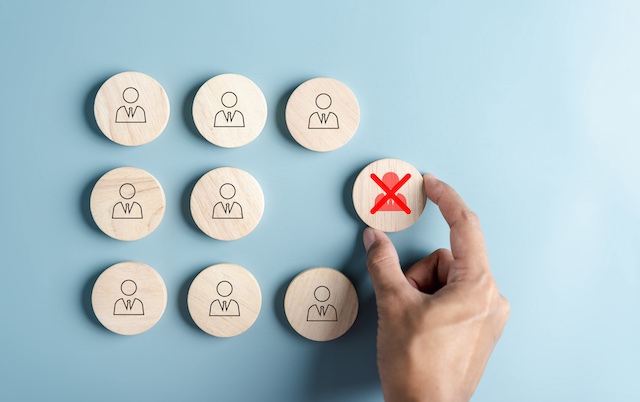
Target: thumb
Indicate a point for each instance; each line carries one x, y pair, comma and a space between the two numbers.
383, 263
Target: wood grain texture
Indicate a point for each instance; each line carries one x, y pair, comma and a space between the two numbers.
322, 114
227, 203
131, 108
224, 300
389, 217
321, 304
229, 110
129, 298
127, 203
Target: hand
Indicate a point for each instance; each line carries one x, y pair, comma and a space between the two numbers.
439, 322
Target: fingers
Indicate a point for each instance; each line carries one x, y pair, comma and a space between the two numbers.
430, 274
467, 241
383, 263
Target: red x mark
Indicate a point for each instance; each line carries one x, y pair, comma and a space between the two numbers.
390, 193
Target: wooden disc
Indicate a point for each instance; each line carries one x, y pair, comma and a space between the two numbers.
127, 203
322, 114
224, 300
389, 195
321, 304
129, 298
227, 203
229, 110
131, 108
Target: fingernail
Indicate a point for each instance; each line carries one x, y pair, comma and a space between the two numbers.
368, 237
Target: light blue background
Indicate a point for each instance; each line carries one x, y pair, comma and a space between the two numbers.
529, 109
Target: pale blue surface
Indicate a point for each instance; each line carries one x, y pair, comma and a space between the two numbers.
531, 110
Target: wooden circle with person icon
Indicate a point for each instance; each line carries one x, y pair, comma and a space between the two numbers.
127, 203
227, 203
321, 304
129, 298
229, 110
322, 114
224, 300
131, 108
389, 195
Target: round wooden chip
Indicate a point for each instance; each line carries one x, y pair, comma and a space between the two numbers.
389, 195
322, 114
127, 203
229, 110
131, 108
227, 203
129, 298
224, 300
321, 304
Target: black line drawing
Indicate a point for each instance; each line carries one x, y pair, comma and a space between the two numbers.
224, 307
323, 120
128, 307
322, 312
227, 209
229, 118
127, 210
129, 113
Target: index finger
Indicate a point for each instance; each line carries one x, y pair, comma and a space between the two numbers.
467, 241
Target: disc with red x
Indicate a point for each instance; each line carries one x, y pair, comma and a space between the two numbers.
389, 195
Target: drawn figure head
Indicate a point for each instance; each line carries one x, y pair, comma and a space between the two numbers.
229, 99
224, 288
128, 287
130, 95
322, 294
323, 101
227, 191
127, 191
390, 179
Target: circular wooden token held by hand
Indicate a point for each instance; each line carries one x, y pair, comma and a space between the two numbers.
227, 203
229, 110
127, 203
321, 304
129, 298
224, 300
389, 195
131, 108
322, 114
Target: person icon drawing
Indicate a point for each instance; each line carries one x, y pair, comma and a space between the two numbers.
229, 118
322, 312
129, 306
127, 210
224, 307
323, 120
227, 209
390, 180
129, 113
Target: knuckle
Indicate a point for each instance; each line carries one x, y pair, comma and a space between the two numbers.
389, 303
484, 301
442, 252
396, 306
487, 285
379, 259
486, 294
469, 216
385, 291
505, 308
